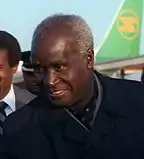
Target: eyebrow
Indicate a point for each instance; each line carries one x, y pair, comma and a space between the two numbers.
58, 61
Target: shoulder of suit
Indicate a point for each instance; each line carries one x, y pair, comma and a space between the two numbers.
26, 115
120, 83
23, 116
116, 89
128, 85
23, 91
23, 95
122, 97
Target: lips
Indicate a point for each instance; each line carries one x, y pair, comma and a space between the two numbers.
57, 92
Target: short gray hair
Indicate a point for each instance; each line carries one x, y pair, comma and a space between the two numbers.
78, 24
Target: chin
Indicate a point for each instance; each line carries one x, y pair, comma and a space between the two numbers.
60, 103
60, 100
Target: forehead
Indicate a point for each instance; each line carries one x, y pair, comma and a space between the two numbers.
54, 47
3, 56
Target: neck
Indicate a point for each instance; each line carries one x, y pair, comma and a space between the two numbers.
87, 97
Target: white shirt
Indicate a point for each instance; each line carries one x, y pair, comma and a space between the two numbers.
10, 100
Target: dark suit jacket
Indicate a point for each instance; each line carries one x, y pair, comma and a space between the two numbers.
38, 131
22, 97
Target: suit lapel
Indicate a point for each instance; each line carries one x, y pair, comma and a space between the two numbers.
19, 100
102, 127
75, 130
22, 97
111, 110
59, 126
50, 119
59, 120
58, 129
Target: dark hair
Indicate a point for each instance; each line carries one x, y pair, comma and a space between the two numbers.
11, 44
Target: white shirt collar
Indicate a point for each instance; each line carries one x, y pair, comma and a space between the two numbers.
10, 98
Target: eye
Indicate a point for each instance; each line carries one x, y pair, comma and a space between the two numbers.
39, 70
59, 67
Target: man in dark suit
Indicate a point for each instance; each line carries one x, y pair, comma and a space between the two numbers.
33, 80
11, 97
85, 115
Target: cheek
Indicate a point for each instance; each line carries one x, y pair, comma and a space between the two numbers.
80, 80
75, 79
5, 79
3, 76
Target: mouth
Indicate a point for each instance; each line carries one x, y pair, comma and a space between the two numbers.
57, 93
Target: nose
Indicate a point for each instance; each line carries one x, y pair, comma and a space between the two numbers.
51, 79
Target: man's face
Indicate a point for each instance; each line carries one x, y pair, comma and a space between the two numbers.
66, 71
6, 73
33, 80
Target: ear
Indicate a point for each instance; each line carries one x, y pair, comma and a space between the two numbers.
90, 59
14, 69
